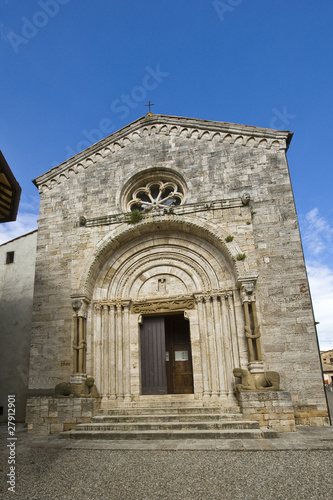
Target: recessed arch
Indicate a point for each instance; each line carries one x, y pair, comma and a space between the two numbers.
98, 265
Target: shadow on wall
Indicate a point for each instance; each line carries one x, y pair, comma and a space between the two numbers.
15, 334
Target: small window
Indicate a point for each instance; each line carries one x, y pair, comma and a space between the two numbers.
10, 258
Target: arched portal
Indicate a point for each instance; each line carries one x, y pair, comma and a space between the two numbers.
162, 273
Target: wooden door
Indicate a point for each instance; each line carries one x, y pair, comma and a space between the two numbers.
153, 369
178, 355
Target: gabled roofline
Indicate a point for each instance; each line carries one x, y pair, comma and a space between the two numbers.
18, 237
151, 119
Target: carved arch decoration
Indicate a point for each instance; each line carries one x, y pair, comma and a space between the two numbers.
124, 235
201, 269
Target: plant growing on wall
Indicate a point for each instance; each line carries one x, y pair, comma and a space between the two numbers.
135, 217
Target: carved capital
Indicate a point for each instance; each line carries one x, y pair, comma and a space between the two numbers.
80, 306
247, 291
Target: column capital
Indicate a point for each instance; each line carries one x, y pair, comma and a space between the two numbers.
247, 290
80, 305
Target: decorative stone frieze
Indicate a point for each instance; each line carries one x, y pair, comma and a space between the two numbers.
189, 208
159, 306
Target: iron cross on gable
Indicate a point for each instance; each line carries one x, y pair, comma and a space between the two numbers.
150, 104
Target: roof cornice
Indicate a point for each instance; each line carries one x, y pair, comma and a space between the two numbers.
231, 133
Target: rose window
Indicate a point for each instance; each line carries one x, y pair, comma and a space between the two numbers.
156, 195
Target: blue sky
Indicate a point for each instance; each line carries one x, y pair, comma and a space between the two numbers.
74, 71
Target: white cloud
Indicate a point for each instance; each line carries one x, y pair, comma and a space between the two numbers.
25, 222
317, 234
317, 237
321, 286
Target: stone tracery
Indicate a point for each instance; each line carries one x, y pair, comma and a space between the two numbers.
156, 194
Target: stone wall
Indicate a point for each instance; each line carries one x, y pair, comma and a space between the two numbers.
47, 415
271, 409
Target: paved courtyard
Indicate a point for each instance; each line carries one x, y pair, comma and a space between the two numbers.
293, 466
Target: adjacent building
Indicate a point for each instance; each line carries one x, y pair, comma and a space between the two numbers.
17, 273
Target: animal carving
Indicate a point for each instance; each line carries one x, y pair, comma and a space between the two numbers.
86, 389
266, 381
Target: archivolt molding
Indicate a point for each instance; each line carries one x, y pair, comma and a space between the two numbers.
125, 233
216, 132
197, 270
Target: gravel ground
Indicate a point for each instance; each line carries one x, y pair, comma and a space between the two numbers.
58, 473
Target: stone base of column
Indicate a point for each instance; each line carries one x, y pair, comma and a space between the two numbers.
78, 378
256, 367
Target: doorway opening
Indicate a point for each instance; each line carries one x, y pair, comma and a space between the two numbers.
166, 358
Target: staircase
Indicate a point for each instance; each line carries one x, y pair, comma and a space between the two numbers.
167, 423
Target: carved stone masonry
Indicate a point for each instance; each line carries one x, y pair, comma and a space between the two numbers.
158, 306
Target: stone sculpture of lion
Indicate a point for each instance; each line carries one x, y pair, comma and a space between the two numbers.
266, 381
86, 389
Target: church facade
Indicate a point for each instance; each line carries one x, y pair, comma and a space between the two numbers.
168, 258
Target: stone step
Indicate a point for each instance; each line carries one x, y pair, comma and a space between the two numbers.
167, 426
134, 418
166, 434
168, 411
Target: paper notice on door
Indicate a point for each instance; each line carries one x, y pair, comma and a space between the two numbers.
181, 355
167, 356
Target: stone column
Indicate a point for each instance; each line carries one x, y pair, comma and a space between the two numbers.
105, 362
127, 353
231, 308
97, 345
203, 345
119, 351
112, 350
79, 342
226, 355
252, 328
219, 340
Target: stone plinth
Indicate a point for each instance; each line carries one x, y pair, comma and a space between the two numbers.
53, 415
270, 408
